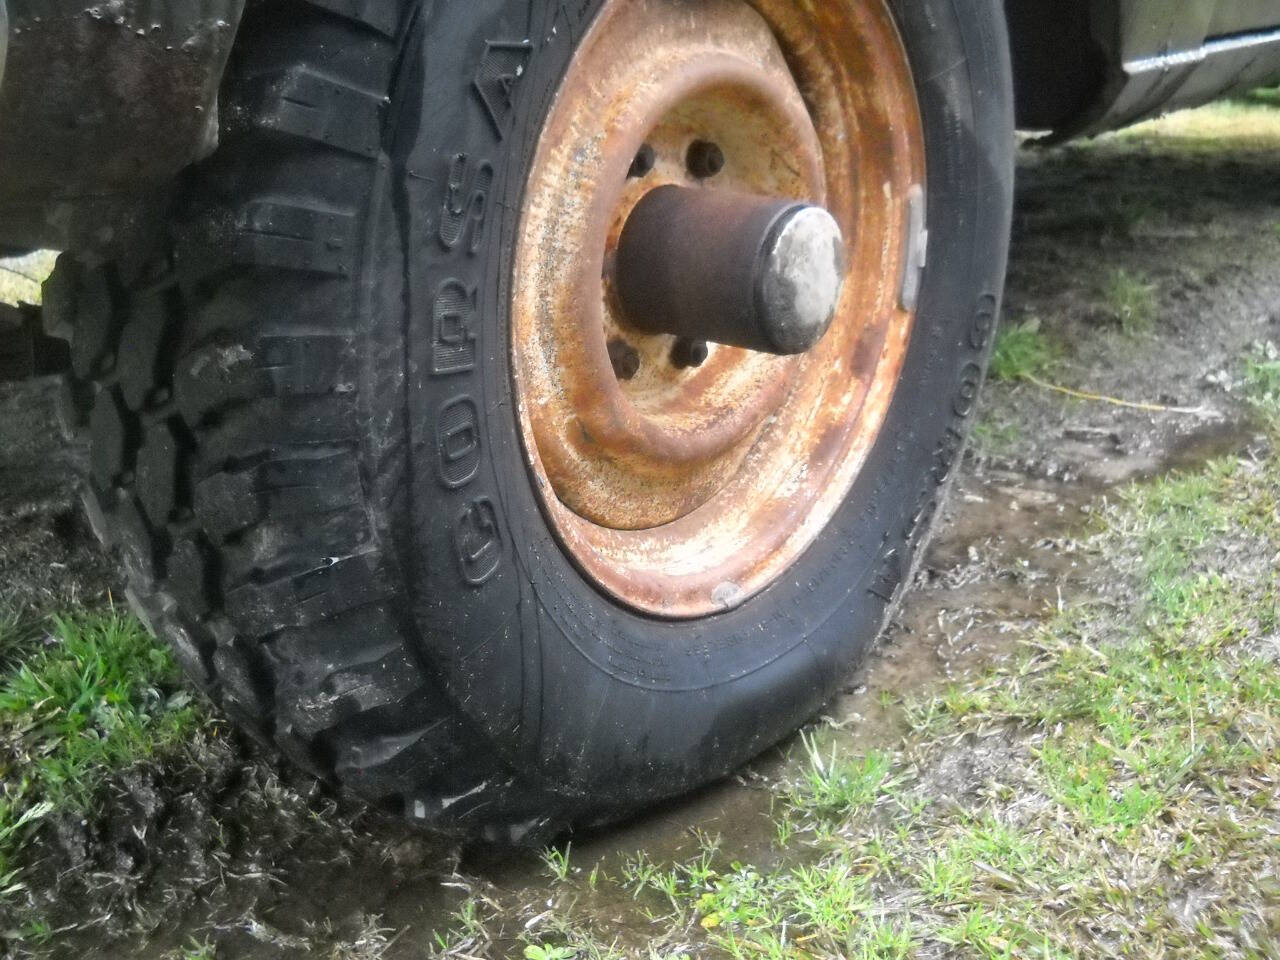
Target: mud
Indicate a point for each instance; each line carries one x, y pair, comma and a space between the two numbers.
229, 847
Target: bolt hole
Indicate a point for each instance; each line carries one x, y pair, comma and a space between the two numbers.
688, 353
643, 163
704, 159
625, 359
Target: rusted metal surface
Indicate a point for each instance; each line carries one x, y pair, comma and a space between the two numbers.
684, 490
762, 273
102, 100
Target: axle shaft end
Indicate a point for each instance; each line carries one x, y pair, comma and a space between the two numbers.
755, 272
800, 279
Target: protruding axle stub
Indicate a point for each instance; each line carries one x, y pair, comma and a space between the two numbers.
731, 268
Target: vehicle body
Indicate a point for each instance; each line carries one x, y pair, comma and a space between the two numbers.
473, 389
103, 105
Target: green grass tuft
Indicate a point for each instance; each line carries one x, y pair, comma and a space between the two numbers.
834, 787
1262, 382
99, 695
1131, 301
1021, 351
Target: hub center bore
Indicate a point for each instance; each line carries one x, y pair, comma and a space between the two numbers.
754, 272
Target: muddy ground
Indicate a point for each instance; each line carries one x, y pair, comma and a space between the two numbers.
227, 848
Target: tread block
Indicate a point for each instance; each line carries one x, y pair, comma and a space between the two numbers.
141, 351
309, 366
214, 376
270, 429
382, 15
58, 297
190, 576
400, 764
245, 684
302, 102
296, 236
158, 476
111, 456
75, 402
97, 519
229, 371
134, 539
306, 598
192, 653
302, 542
93, 318
280, 488
319, 699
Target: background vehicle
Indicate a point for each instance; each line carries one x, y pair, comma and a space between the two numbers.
470, 403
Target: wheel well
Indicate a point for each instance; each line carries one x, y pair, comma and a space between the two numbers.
1059, 66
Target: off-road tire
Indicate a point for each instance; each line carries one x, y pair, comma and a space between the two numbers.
263, 425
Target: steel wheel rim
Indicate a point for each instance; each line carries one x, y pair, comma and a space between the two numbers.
690, 492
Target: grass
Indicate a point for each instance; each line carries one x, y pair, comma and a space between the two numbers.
542, 951
1262, 380
1264, 96
98, 695
556, 862
1140, 750
1127, 801
995, 438
1250, 123
195, 950
1021, 351
1131, 301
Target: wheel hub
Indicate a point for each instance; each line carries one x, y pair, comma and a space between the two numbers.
706, 327
761, 273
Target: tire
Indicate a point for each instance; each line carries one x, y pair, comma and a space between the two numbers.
264, 431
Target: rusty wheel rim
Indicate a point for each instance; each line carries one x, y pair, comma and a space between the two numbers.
683, 491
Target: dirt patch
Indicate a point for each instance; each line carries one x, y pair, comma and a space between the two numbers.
228, 847
49, 559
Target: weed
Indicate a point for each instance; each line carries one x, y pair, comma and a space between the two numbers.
469, 930
1131, 301
835, 787
548, 952
995, 439
1021, 351
556, 862
197, 950
1262, 381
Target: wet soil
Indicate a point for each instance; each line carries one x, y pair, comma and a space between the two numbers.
230, 847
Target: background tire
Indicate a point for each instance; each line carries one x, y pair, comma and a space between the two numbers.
264, 429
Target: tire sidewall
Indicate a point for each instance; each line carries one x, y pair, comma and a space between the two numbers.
574, 691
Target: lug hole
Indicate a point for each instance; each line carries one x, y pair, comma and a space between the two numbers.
625, 359
705, 159
686, 354
643, 163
